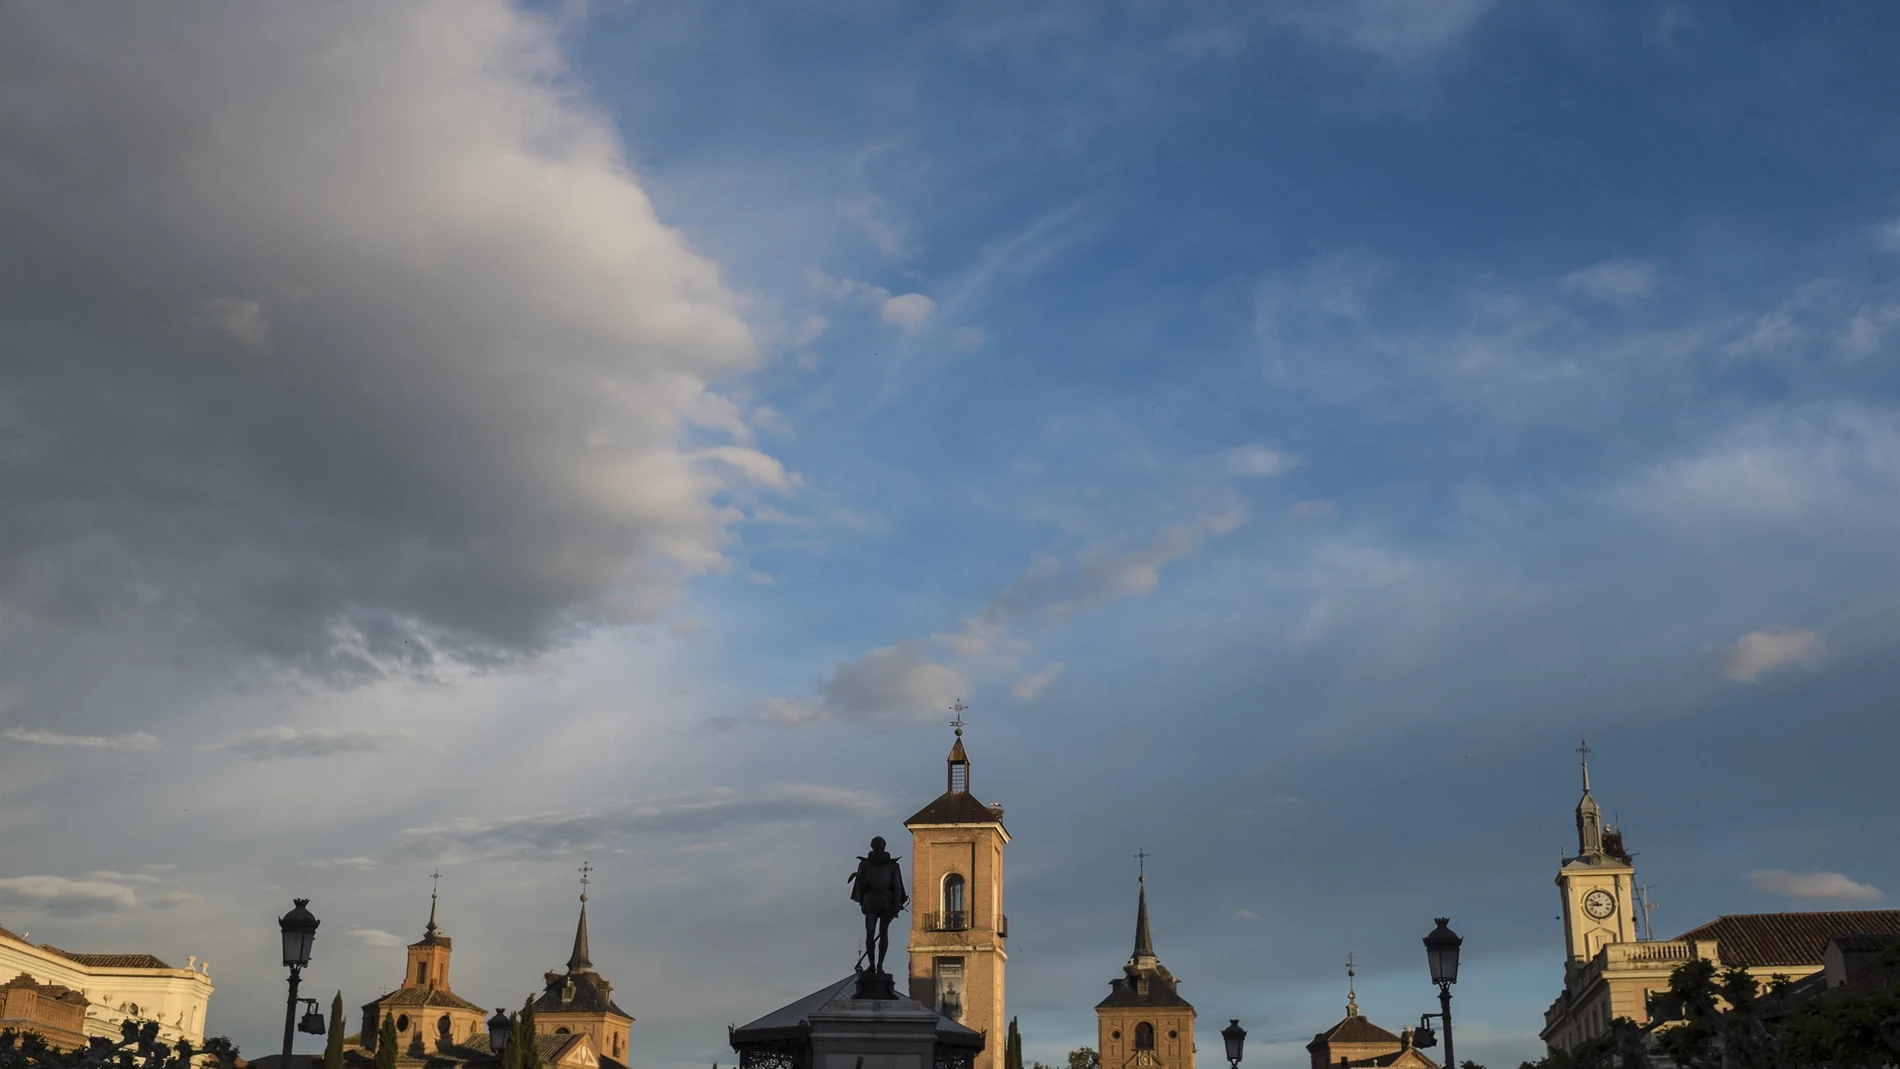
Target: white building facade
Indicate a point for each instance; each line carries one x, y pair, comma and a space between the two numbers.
120, 987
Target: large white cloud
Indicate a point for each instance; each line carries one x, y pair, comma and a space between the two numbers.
345, 335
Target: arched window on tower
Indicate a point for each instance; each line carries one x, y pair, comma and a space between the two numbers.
954, 908
1144, 1036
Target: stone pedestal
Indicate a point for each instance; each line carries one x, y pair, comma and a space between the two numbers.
835, 1028
874, 1033
875, 985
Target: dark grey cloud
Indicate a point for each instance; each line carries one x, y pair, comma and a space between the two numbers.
282, 742
558, 832
344, 338
897, 684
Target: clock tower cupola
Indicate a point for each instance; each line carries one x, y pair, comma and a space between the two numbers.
1596, 884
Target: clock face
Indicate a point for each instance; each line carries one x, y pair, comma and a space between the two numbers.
1599, 904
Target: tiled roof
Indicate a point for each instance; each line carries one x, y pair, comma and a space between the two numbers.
1761, 939
592, 994
1409, 1057
426, 996
1863, 942
1124, 992
954, 807
109, 961
1354, 1029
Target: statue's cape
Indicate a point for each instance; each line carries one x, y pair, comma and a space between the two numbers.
878, 875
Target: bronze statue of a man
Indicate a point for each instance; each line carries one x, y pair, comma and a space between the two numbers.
878, 889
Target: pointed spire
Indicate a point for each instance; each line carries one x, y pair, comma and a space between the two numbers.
1144, 956
579, 960
1352, 993
431, 931
1589, 814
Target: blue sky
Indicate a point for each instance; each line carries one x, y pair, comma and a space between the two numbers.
619, 430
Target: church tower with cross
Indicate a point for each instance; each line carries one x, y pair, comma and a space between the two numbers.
1144, 1023
958, 933
1595, 886
429, 1018
580, 1000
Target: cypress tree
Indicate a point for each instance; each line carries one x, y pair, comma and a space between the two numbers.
530, 1050
333, 1046
510, 1052
1013, 1048
386, 1042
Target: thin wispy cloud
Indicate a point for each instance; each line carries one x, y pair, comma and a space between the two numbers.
908, 311
1030, 687
376, 937
554, 833
1614, 280
279, 743
137, 740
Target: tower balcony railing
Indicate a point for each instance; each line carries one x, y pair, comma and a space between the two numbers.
1673, 952
961, 920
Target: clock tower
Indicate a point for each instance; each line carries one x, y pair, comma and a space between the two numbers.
1599, 906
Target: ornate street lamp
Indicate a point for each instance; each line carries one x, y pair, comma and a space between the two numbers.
498, 1028
299, 928
1441, 952
1235, 1037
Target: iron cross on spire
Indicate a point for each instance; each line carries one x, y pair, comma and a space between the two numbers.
1141, 859
1583, 748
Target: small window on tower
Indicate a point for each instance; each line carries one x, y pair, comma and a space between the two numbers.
1144, 1036
953, 898
959, 777
422, 972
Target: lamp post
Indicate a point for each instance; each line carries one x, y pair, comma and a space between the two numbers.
299, 928
498, 1028
1235, 1037
1441, 952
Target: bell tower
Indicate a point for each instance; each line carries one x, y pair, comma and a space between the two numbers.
958, 932
1595, 885
429, 956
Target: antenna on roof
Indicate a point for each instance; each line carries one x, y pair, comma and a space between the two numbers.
1644, 903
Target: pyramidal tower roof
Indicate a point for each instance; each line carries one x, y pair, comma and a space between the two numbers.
956, 805
1144, 955
579, 960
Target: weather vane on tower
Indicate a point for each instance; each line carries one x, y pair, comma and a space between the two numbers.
958, 707
586, 870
